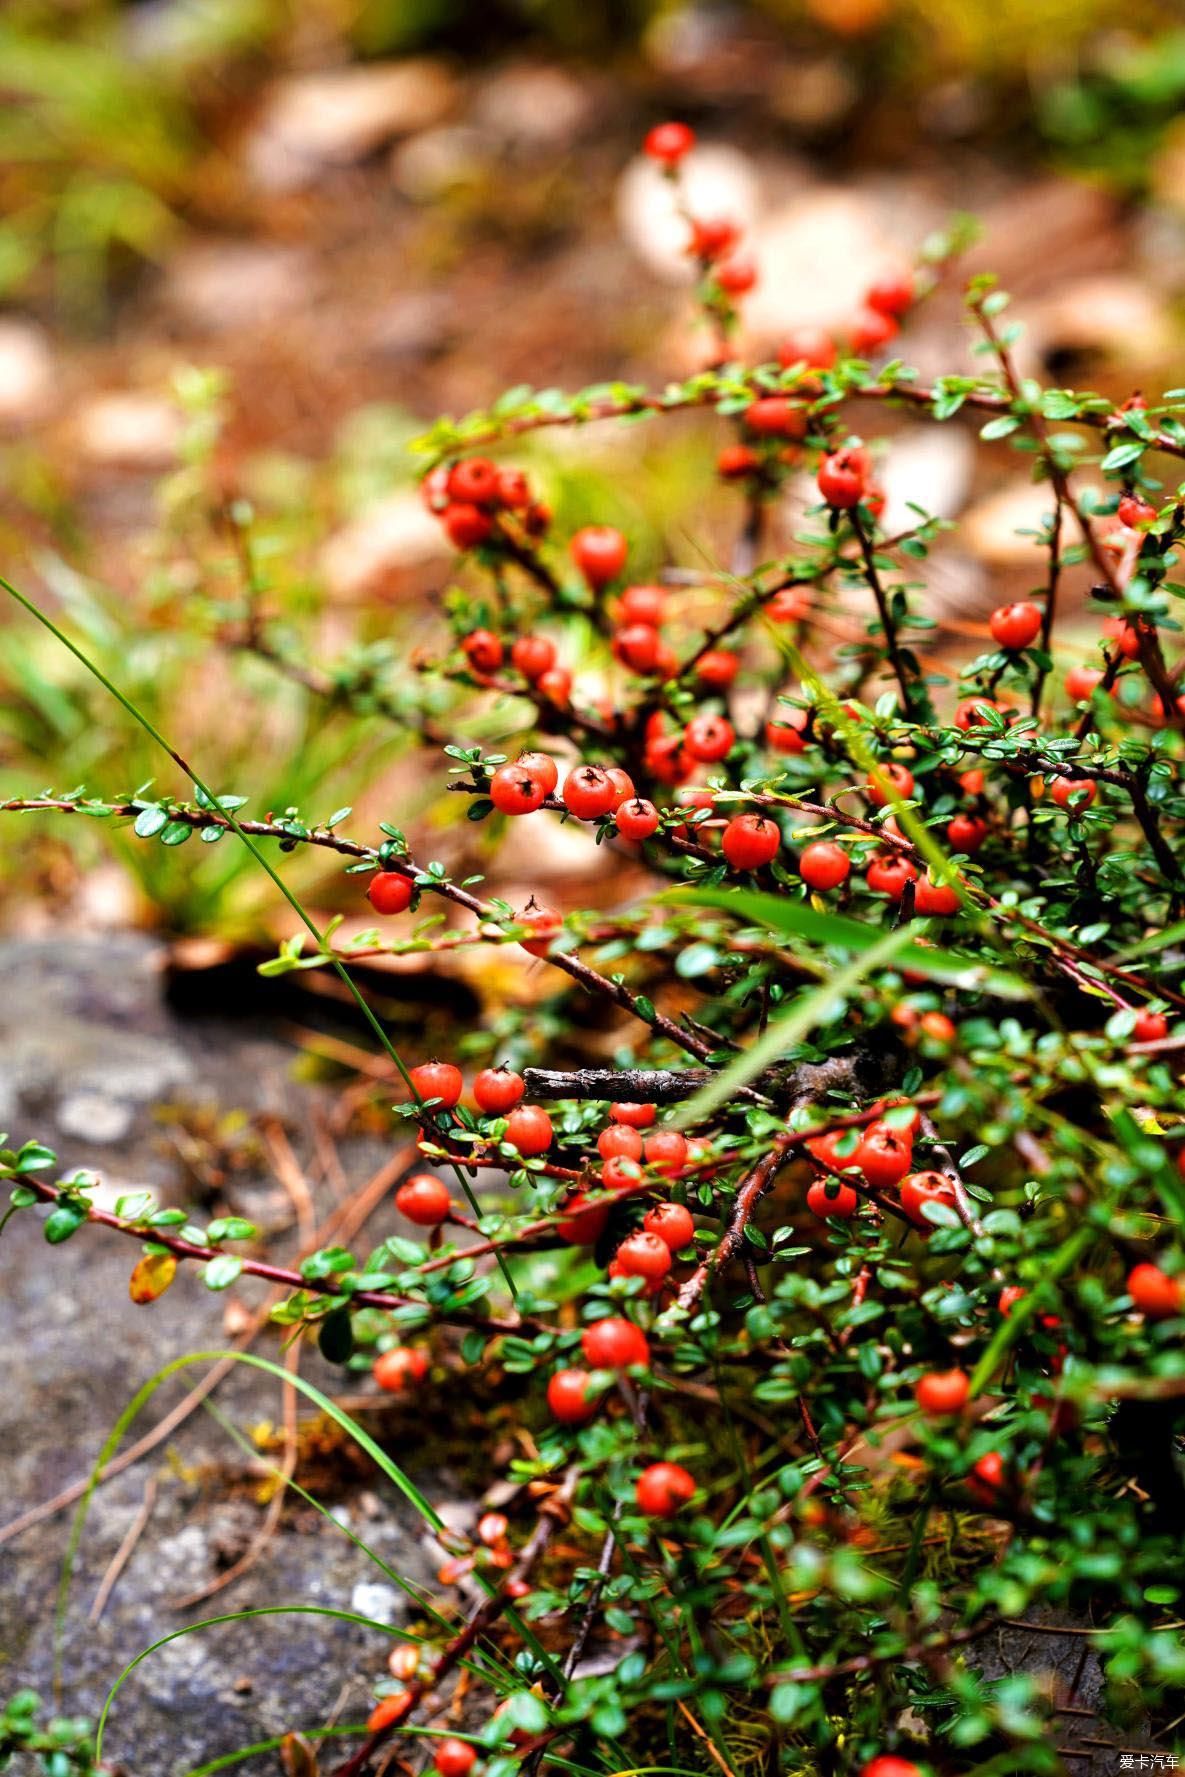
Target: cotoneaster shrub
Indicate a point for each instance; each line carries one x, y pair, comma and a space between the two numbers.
862, 1336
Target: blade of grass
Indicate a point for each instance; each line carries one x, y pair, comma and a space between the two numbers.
293, 900
791, 1028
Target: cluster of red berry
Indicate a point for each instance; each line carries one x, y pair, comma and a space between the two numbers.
473, 496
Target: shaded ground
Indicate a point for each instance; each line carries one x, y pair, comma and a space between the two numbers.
86, 1036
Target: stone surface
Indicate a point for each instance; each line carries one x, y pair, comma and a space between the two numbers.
335, 118
26, 372
377, 551
85, 1017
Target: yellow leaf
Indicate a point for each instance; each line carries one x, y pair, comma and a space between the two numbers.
152, 1277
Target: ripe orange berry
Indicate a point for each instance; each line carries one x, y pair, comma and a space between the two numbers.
662, 1488
1015, 626
749, 841
943, 1391
568, 1397
390, 1710
424, 1200
614, 1344
1157, 1295
390, 892
529, 1130
824, 865
400, 1368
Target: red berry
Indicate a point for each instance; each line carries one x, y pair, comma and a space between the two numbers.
1074, 793
584, 1222
891, 294
888, 874
1009, 1296
638, 646
1154, 1293
899, 776
1080, 681
637, 819
967, 832
454, 1758
438, 1079
1015, 626
497, 1090
555, 685
672, 1223
937, 1026
843, 478
824, 865
567, 1396
599, 551
973, 781
389, 1711
709, 738
424, 1200
749, 841
635, 1116
620, 1142
785, 733
466, 526
921, 1188
483, 650
884, 1155
529, 1130
621, 1173
589, 793
775, 416
737, 276
492, 1528
1135, 512
533, 656
736, 461
474, 481
807, 345
972, 712
389, 892
669, 142
642, 604
663, 1488
399, 1368
934, 899
943, 1391
713, 238
789, 605
434, 489
546, 921
1150, 1027
830, 1197
542, 766
717, 668
644, 1255
872, 329
516, 791
1127, 635
666, 1151
886, 1764
614, 1344
514, 490
987, 1477
623, 785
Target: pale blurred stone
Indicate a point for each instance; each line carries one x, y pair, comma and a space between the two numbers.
429, 165
532, 105
816, 257
931, 466
223, 284
1119, 315
989, 530
395, 537
126, 429
26, 372
336, 118
717, 182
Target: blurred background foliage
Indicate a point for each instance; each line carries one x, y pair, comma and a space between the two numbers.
114, 113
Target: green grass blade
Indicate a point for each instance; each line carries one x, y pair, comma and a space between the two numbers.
341, 1732
234, 1616
798, 919
791, 1028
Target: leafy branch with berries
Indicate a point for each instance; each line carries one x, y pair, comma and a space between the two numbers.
826, 1221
